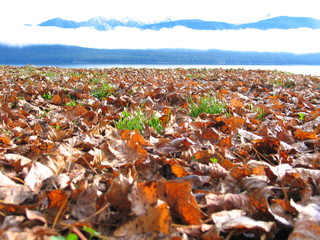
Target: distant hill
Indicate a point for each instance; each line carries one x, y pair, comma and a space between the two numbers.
103, 24
56, 55
61, 23
190, 23
284, 23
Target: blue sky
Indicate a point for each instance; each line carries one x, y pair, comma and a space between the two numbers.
16, 13
35, 11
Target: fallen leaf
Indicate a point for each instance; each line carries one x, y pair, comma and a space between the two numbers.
58, 203
37, 174
303, 135
5, 140
142, 196
157, 219
246, 224
267, 145
86, 204
15, 193
229, 201
117, 193
178, 195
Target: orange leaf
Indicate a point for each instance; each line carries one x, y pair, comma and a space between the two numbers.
259, 199
225, 142
225, 163
203, 156
126, 134
267, 145
239, 172
156, 220
284, 157
139, 150
180, 199
164, 119
259, 170
143, 193
138, 138
57, 204
199, 125
236, 103
178, 170
167, 111
79, 110
5, 140
302, 135
56, 99
135, 136
209, 134
56, 199
235, 122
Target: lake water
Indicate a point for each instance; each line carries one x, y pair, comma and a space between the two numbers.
297, 69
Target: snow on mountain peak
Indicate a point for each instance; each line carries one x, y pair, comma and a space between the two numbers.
103, 23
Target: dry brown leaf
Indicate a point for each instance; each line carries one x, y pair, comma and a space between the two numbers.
157, 219
6, 181
85, 208
307, 226
15, 193
267, 145
118, 192
229, 201
245, 224
305, 230
213, 169
222, 217
37, 174
36, 215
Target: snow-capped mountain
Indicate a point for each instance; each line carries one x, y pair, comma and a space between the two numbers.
99, 23
103, 24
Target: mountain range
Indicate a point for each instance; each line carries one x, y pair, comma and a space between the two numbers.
104, 24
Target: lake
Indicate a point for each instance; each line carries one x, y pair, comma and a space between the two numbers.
297, 69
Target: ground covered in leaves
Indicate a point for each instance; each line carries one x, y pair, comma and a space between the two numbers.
127, 153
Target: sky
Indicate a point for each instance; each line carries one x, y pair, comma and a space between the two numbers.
14, 14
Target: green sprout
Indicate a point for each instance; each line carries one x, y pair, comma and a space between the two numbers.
93, 233
71, 103
206, 104
102, 91
301, 116
258, 110
50, 74
56, 126
214, 160
260, 114
72, 236
47, 96
137, 121
155, 123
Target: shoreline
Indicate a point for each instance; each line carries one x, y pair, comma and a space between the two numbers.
313, 70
